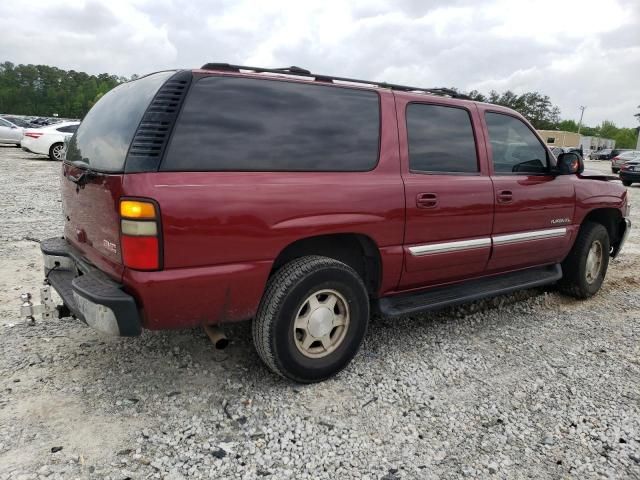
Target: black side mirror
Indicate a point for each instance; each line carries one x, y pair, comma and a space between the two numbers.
570, 163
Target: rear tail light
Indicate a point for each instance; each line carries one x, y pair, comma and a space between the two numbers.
140, 234
33, 134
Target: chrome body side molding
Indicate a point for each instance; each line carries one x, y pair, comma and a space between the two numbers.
527, 236
447, 247
459, 245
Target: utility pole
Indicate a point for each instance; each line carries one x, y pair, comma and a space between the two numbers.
582, 109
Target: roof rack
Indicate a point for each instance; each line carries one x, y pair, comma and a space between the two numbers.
301, 72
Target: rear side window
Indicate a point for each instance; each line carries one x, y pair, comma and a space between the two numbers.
242, 124
515, 148
68, 129
440, 139
102, 140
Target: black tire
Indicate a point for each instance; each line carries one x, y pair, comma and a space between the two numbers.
287, 291
626, 183
52, 150
575, 280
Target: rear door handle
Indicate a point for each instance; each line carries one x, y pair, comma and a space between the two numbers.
505, 196
426, 200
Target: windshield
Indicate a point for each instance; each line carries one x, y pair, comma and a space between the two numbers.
102, 140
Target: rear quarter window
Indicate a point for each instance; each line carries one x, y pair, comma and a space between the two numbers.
242, 124
103, 138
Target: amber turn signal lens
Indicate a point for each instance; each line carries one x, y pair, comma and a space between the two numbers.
137, 209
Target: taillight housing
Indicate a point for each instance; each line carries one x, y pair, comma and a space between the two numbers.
140, 234
33, 134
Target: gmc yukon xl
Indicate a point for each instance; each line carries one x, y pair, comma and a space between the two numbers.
306, 202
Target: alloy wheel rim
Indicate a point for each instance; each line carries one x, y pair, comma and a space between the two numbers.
321, 323
58, 152
594, 261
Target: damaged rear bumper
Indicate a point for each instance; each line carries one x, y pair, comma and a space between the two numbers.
88, 293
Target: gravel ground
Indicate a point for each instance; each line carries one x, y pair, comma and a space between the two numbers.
532, 385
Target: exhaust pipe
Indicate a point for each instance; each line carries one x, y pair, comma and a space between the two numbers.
217, 337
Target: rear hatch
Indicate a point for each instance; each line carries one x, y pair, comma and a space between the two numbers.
93, 172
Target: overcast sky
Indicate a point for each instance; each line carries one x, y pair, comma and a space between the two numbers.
577, 52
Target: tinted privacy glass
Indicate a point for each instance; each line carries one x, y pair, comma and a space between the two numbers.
102, 140
267, 125
515, 148
440, 139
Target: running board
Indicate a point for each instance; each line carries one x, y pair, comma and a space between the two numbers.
440, 297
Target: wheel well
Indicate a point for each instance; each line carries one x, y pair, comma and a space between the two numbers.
358, 251
610, 218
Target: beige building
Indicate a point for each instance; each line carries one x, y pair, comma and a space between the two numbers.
557, 138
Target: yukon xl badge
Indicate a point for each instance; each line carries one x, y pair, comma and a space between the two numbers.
109, 246
557, 221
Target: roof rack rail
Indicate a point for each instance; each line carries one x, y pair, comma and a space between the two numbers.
297, 71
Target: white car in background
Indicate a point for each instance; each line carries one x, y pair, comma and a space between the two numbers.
49, 140
10, 133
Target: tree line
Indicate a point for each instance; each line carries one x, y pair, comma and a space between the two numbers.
41, 90
544, 115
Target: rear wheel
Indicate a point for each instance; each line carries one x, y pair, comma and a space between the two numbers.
312, 319
56, 152
586, 265
626, 183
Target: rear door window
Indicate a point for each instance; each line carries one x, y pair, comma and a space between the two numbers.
515, 148
440, 139
244, 124
103, 138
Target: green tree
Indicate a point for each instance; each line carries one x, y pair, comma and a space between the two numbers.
44, 90
607, 129
534, 106
568, 126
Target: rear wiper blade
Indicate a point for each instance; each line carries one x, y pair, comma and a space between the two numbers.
83, 177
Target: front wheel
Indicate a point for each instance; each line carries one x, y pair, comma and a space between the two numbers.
586, 265
312, 319
626, 183
56, 152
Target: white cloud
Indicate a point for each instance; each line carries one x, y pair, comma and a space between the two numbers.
578, 52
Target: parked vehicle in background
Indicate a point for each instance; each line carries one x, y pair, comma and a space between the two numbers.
630, 172
604, 154
609, 154
10, 132
556, 151
49, 140
618, 161
21, 122
226, 193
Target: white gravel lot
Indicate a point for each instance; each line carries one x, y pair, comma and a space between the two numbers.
532, 385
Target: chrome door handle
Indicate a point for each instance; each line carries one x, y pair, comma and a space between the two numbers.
426, 200
505, 196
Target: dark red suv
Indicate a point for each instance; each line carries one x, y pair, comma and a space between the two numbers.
305, 202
